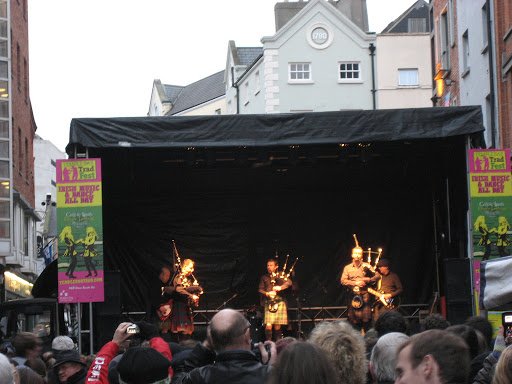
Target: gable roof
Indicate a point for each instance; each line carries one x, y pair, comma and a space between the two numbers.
418, 10
247, 55
197, 93
171, 92
357, 31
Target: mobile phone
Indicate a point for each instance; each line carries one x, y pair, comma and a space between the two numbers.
506, 320
133, 329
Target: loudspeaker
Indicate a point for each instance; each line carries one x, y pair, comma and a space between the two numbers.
112, 304
457, 276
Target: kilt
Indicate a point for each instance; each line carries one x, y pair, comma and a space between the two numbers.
280, 317
181, 318
363, 314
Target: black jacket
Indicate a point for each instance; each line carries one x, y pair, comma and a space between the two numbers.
229, 367
78, 378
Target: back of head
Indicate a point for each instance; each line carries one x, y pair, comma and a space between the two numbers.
448, 350
503, 369
227, 330
62, 343
24, 341
38, 365
391, 321
469, 335
384, 355
480, 323
344, 347
302, 362
5, 370
28, 376
141, 365
435, 321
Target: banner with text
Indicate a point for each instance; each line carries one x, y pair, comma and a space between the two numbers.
80, 228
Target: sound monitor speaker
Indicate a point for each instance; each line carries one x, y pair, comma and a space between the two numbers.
457, 276
112, 304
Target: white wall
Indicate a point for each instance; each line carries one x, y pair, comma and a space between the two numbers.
403, 51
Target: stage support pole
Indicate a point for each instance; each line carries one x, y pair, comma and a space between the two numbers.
79, 318
91, 327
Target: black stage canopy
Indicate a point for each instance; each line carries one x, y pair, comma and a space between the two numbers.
233, 190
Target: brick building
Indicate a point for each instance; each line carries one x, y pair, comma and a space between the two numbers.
17, 130
503, 30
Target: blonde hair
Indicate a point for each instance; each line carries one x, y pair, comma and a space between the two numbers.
345, 348
66, 233
480, 222
503, 370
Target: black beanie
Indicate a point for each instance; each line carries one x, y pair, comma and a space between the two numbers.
143, 366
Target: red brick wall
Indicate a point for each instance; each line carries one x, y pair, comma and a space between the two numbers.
23, 126
503, 24
439, 7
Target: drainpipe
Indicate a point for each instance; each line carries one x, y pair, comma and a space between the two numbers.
372, 54
492, 98
234, 84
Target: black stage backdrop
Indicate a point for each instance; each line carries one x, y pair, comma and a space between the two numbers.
229, 206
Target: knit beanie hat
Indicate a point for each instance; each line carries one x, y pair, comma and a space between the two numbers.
142, 365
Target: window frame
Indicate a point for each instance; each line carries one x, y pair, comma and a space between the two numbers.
351, 80
403, 70
303, 71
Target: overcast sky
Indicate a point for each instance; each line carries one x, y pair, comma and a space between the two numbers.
98, 58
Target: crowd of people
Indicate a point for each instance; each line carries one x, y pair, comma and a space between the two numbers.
334, 352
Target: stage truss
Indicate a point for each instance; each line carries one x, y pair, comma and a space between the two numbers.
312, 315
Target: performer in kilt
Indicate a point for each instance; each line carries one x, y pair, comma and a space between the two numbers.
276, 312
355, 276
184, 294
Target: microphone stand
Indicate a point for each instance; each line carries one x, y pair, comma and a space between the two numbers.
227, 301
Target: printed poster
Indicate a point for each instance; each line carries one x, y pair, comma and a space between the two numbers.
490, 187
80, 231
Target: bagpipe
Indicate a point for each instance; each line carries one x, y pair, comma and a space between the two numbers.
369, 270
273, 302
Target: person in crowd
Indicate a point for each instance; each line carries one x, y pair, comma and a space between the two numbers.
283, 343
469, 335
433, 357
383, 357
164, 305
225, 356
485, 374
390, 322
345, 348
26, 346
37, 365
29, 376
140, 365
390, 287
484, 326
356, 277
60, 344
435, 321
503, 371
6, 370
276, 311
302, 362
69, 368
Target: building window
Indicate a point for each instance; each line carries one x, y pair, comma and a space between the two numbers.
230, 107
465, 53
257, 82
444, 36
408, 77
26, 158
246, 93
485, 36
25, 79
18, 67
416, 24
349, 72
20, 152
299, 72
26, 231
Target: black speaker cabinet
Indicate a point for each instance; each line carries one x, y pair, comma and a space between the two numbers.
112, 304
457, 277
